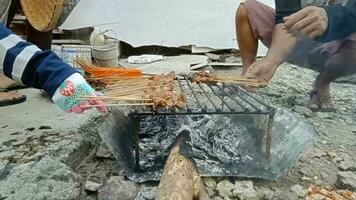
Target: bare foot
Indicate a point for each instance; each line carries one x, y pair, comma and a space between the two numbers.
10, 98
320, 97
5, 82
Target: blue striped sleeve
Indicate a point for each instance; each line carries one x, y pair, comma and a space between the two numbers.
28, 65
341, 23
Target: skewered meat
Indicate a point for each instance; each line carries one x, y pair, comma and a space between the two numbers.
161, 90
204, 77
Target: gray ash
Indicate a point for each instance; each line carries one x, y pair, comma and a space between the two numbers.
215, 140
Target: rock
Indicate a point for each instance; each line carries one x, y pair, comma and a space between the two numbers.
332, 154
42, 179
16, 133
210, 192
347, 164
224, 188
218, 198
148, 193
348, 120
324, 142
346, 180
92, 186
306, 112
30, 128
304, 178
286, 195
210, 183
118, 189
318, 153
244, 190
103, 152
337, 160
299, 191
303, 158
290, 100
266, 194
5, 168
44, 127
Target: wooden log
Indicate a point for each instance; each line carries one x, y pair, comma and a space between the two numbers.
180, 179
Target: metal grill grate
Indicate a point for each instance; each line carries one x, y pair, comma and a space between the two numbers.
209, 99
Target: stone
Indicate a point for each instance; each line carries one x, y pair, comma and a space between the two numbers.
30, 128
218, 198
347, 164
118, 189
92, 186
303, 158
324, 142
244, 190
304, 178
346, 180
16, 133
224, 188
45, 127
148, 193
103, 152
332, 154
210, 192
306, 112
5, 168
210, 183
299, 191
286, 195
42, 179
266, 194
318, 153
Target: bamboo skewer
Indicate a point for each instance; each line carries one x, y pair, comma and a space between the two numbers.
113, 98
244, 83
119, 104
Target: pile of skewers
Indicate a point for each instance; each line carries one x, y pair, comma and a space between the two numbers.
208, 77
129, 87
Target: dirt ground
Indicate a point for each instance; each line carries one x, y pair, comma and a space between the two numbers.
61, 156
332, 152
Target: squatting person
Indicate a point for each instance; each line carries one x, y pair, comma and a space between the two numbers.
316, 34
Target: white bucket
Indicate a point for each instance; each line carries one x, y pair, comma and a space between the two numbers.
107, 54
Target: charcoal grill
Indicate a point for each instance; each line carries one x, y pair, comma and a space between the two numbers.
209, 99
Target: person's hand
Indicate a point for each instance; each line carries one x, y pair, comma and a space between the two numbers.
70, 94
311, 22
262, 70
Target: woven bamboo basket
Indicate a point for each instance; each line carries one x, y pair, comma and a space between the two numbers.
42, 14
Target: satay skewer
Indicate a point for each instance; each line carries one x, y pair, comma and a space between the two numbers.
123, 98
119, 104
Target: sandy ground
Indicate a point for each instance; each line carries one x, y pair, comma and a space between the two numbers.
51, 171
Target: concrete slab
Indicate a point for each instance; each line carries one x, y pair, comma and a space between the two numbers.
40, 146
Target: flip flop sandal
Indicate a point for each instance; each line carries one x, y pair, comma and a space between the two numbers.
319, 108
16, 87
9, 102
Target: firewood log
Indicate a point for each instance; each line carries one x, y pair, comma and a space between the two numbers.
180, 179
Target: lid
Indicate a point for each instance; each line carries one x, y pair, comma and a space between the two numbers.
42, 14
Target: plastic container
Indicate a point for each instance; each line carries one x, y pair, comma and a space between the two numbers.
106, 52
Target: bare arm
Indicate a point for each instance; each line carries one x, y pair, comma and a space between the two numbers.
281, 46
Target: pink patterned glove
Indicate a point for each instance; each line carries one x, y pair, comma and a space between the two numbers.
70, 93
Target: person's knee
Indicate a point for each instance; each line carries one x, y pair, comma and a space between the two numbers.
244, 8
241, 14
